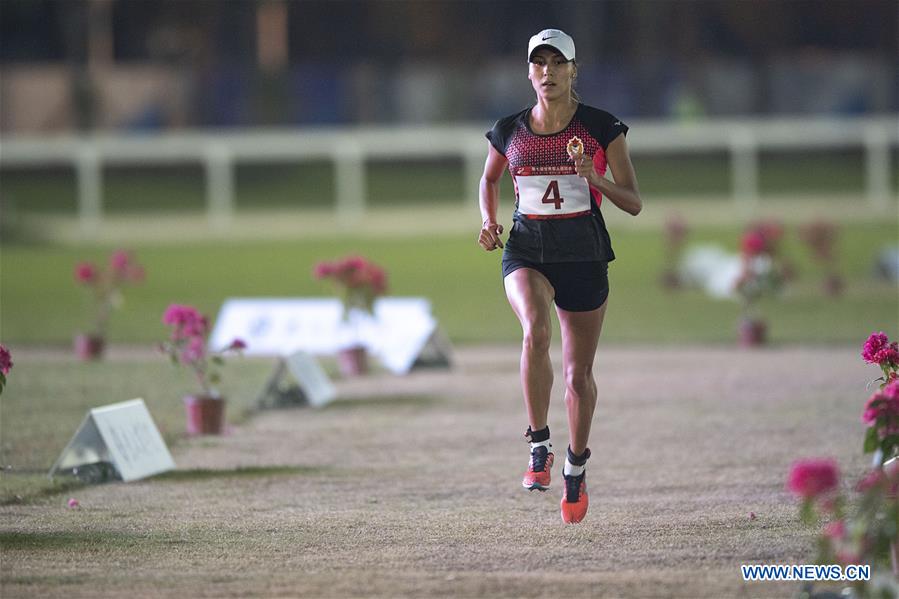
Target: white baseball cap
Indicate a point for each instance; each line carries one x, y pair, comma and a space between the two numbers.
555, 39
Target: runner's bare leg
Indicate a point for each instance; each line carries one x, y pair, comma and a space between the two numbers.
580, 337
530, 296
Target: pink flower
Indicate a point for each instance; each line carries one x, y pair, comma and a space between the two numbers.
885, 480
888, 356
355, 263
196, 327
107, 283
73, 503
882, 410
323, 270
188, 345
870, 480
753, 243
891, 389
5, 360
120, 261
835, 530
174, 314
86, 273
194, 351
186, 320
875, 343
354, 273
379, 281
810, 479
124, 268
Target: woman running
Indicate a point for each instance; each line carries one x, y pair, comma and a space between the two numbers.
558, 249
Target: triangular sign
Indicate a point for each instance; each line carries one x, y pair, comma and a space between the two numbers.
436, 352
297, 380
123, 435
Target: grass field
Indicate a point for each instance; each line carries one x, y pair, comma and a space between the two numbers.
42, 304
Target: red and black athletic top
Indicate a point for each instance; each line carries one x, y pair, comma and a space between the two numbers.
557, 216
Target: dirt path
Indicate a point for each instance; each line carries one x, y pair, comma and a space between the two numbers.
411, 487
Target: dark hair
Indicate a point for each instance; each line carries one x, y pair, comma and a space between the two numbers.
574, 93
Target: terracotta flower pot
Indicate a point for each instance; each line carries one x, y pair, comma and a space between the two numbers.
352, 361
752, 332
205, 415
89, 347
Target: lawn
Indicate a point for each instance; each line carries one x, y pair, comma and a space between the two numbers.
41, 303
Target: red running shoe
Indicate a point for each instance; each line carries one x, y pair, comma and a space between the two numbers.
574, 499
537, 476
574, 496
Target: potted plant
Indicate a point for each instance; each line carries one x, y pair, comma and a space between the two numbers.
881, 413
105, 286
5, 365
187, 346
359, 282
760, 275
863, 528
821, 237
858, 528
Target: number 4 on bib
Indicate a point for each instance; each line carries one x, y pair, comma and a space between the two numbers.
555, 198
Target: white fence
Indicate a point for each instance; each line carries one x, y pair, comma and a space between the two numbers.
350, 148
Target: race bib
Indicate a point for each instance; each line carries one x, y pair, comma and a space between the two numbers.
551, 192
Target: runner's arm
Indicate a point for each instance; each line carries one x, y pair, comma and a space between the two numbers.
489, 237
623, 192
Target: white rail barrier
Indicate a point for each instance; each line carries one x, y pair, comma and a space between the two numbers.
349, 148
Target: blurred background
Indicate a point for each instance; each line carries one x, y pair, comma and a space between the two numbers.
306, 129
151, 65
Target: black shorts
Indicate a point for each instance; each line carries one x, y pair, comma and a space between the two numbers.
579, 286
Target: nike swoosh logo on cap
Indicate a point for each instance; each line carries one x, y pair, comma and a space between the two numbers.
549, 37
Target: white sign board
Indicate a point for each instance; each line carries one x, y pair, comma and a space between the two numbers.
297, 380
314, 382
398, 332
122, 434
711, 268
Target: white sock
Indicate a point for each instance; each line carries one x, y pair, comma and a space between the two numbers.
546, 444
572, 470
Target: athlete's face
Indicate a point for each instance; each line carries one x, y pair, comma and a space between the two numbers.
550, 74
